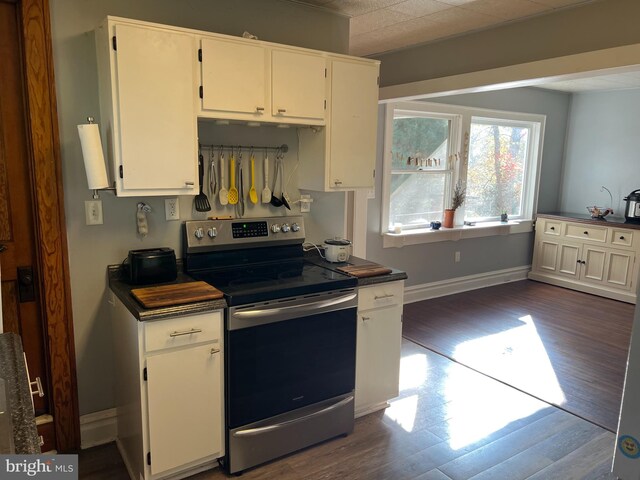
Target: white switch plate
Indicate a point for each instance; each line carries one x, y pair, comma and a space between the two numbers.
93, 212
171, 209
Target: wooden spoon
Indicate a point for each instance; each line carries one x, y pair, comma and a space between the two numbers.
253, 195
224, 195
233, 192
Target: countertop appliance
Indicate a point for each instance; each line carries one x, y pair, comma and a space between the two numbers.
632, 210
290, 336
337, 250
150, 265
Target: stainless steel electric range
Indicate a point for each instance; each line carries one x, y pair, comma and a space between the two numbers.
290, 336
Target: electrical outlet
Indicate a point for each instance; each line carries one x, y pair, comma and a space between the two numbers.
457, 257
93, 212
305, 203
171, 209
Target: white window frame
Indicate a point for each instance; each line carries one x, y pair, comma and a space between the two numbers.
459, 134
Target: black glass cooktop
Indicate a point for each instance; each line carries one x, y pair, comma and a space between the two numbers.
253, 283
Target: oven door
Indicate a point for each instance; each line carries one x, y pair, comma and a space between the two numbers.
288, 354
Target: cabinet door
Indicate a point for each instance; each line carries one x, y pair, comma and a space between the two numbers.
593, 266
619, 267
185, 406
569, 262
546, 256
354, 120
378, 355
233, 77
156, 101
298, 85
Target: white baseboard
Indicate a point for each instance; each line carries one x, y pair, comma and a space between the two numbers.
450, 286
98, 428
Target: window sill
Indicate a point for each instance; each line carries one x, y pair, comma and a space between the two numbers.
427, 235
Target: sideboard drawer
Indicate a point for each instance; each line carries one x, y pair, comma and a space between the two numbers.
622, 238
586, 232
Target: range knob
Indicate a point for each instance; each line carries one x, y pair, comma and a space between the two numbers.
212, 232
199, 233
285, 227
295, 227
275, 228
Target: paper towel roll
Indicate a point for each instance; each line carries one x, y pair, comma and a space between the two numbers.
93, 156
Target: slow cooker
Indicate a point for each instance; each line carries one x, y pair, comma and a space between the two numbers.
632, 212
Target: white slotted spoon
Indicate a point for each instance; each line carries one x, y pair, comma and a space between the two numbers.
266, 191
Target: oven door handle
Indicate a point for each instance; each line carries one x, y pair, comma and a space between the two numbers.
268, 428
265, 312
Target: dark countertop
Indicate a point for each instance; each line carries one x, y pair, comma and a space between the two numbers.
314, 257
608, 221
18, 396
123, 291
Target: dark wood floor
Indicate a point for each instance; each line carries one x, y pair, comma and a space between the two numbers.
449, 423
565, 347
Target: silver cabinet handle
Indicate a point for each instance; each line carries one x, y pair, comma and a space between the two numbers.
337, 182
214, 351
366, 319
381, 297
38, 390
185, 332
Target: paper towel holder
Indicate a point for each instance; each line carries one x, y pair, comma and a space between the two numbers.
93, 157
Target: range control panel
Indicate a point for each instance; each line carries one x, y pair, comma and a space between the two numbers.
211, 235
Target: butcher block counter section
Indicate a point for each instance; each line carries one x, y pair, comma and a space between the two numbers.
174, 309
361, 265
597, 256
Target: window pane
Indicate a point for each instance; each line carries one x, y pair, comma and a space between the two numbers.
497, 158
416, 199
419, 142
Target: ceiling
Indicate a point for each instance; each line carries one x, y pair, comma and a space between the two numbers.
378, 26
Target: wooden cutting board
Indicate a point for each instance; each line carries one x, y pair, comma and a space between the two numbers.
362, 271
175, 294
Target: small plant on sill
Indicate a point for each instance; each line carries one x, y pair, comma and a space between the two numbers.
459, 195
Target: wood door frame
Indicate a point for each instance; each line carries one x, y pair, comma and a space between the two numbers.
45, 168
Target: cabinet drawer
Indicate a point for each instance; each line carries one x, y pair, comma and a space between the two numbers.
380, 295
622, 238
549, 227
586, 232
177, 332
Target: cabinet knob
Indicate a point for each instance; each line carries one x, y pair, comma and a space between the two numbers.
337, 182
585, 232
189, 184
552, 228
214, 351
282, 110
621, 237
366, 319
259, 109
583, 262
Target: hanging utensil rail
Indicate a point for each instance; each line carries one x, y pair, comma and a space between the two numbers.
284, 148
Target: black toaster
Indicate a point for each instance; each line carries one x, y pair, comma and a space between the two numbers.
150, 265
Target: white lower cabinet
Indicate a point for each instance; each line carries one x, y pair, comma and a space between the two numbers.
596, 259
378, 345
169, 393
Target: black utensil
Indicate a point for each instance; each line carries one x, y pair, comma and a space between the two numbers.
275, 201
200, 201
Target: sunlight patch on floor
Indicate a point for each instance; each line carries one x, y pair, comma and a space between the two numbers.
475, 412
403, 411
413, 371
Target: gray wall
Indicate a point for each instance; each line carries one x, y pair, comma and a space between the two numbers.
435, 261
91, 249
602, 149
594, 26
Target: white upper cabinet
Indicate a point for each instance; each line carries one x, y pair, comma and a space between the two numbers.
246, 80
342, 156
234, 78
148, 86
298, 85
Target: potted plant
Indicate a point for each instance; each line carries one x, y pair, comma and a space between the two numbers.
459, 193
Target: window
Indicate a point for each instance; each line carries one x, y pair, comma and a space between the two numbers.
493, 154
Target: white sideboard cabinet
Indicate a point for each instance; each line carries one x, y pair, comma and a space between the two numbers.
169, 393
598, 258
379, 340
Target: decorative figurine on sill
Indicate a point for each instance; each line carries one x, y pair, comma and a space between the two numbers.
504, 217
